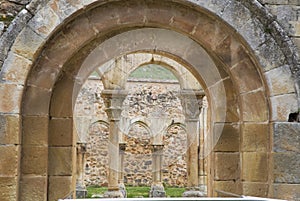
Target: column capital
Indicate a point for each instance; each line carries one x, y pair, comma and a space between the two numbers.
191, 101
81, 148
122, 146
113, 100
157, 147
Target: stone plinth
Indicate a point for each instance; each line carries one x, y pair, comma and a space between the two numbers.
194, 192
113, 194
157, 190
81, 191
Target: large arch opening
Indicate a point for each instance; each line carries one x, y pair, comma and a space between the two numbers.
230, 75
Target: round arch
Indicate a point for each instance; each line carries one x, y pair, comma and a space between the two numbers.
52, 74
132, 61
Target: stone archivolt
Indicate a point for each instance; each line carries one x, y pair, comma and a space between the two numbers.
253, 64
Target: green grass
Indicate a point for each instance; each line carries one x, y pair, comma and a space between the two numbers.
92, 190
153, 71
133, 191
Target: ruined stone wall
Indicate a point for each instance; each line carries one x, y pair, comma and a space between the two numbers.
8, 11
287, 13
144, 98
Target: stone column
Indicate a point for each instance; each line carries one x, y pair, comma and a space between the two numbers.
122, 148
192, 102
157, 189
81, 191
203, 132
113, 100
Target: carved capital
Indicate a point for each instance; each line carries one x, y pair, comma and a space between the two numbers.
81, 148
113, 100
122, 146
191, 102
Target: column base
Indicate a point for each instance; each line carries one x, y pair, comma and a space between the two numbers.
123, 190
81, 191
203, 189
113, 194
157, 190
194, 192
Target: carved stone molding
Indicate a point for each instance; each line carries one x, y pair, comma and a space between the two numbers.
191, 102
113, 100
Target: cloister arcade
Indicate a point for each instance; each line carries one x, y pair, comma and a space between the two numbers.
156, 123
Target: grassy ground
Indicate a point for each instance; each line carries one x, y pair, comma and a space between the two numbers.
141, 191
154, 72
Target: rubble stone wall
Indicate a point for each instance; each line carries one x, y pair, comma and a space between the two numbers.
144, 98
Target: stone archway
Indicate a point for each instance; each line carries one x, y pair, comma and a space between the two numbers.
47, 102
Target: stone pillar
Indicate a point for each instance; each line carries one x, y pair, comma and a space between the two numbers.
81, 191
157, 189
192, 102
113, 100
122, 148
202, 157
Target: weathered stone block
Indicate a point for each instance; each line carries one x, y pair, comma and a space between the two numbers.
254, 33
155, 15
255, 137
233, 187
246, 76
35, 160
36, 101
59, 187
64, 96
184, 19
255, 167
280, 80
231, 51
286, 137
79, 32
286, 168
35, 130
131, 13
9, 129
60, 161
287, 191
60, 50
255, 189
15, 69
283, 105
44, 75
65, 8
270, 55
224, 102
227, 166
254, 106
103, 17
10, 98
61, 132
236, 14
210, 32
33, 188
28, 43
8, 188
44, 22
227, 137
9, 160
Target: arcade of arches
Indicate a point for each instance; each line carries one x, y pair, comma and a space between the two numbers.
240, 54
